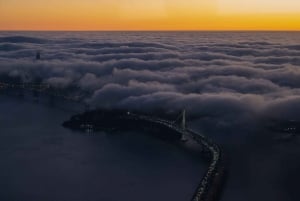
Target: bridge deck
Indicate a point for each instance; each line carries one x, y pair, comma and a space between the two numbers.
207, 184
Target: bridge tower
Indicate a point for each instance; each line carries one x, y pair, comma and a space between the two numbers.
183, 125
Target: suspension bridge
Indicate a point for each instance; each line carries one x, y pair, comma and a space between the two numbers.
211, 184
40, 88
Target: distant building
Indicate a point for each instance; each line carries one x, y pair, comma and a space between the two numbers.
38, 56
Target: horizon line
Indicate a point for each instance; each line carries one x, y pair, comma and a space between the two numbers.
152, 30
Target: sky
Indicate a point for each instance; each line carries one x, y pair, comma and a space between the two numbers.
149, 15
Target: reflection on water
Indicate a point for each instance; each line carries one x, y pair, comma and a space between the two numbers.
40, 160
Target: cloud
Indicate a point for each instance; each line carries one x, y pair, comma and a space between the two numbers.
22, 39
111, 94
58, 82
212, 75
9, 47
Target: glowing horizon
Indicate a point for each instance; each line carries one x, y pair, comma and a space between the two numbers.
149, 15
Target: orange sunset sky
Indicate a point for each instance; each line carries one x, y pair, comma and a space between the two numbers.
149, 14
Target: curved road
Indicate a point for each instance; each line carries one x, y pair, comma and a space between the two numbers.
211, 184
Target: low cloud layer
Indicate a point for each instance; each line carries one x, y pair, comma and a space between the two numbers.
226, 76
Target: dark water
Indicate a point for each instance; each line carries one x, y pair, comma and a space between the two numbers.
40, 160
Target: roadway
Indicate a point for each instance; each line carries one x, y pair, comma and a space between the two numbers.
212, 180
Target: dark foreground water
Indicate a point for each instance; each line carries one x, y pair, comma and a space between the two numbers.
40, 160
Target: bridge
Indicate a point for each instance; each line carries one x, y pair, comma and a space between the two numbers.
210, 186
39, 88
